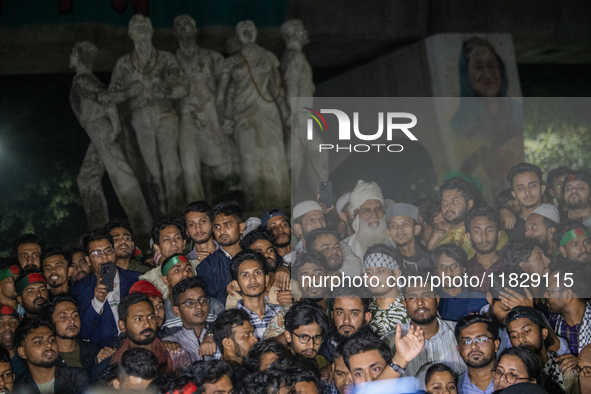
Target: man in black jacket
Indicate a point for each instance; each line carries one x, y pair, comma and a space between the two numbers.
75, 352
36, 342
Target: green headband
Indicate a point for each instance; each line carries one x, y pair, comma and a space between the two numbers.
9, 272
171, 263
25, 281
572, 234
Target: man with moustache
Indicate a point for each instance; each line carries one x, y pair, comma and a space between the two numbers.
74, 351
32, 294
249, 272
528, 189
276, 222
234, 336
227, 229
421, 304
192, 306
306, 325
483, 230
577, 196
137, 321
80, 267
367, 206
387, 310
8, 376
457, 198
327, 243
99, 307
574, 243
155, 296
122, 235
554, 182
541, 225
28, 249
199, 230
526, 256
313, 266
9, 321
57, 265
403, 229
478, 344
9, 271
37, 344
526, 329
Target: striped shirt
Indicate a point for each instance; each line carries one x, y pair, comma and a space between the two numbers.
259, 325
190, 342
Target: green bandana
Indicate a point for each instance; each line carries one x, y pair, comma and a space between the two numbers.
572, 234
9, 272
167, 265
25, 281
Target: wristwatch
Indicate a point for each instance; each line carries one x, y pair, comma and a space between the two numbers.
398, 368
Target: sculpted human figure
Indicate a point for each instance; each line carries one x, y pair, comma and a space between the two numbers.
202, 139
308, 167
101, 122
249, 90
150, 79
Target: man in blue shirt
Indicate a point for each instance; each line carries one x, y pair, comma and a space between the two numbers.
449, 262
478, 344
227, 231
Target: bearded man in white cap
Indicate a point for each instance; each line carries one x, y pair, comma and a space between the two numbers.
541, 225
367, 207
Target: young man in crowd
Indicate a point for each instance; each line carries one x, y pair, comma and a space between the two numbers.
32, 293
312, 266
555, 179
324, 241
192, 306
155, 296
9, 271
367, 206
199, 229
349, 314
306, 325
528, 189
9, 322
122, 234
6, 374
81, 267
403, 229
541, 225
137, 369
38, 346
526, 256
234, 335
341, 375
571, 313
277, 223
56, 265
386, 308
506, 200
366, 356
577, 196
98, 307
249, 273
449, 262
457, 198
227, 229
478, 343
483, 230
574, 243
74, 351
527, 329
421, 304
137, 321
28, 249
214, 376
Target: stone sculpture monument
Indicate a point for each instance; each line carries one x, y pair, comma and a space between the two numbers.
99, 117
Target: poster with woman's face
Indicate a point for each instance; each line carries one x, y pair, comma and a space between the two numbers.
482, 119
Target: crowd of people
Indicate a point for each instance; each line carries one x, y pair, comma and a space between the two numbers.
221, 304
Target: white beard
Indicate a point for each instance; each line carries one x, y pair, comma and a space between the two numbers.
369, 236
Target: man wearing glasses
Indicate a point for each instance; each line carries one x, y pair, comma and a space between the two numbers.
98, 307
456, 301
192, 306
583, 368
306, 325
478, 343
6, 375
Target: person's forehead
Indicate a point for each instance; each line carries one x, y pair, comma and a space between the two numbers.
312, 215
196, 216
310, 267
196, 292
276, 220
29, 247
261, 244
156, 299
418, 289
169, 230
481, 221
365, 359
309, 328
557, 180
373, 203
221, 218
65, 306
348, 303
444, 259
536, 251
4, 367
535, 218
4, 319
141, 308
339, 364
451, 193
78, 256
509, 361
119, 231
400, 220
327, 239
577, 184
474, 330
40, 331
249, 265
520, 323
246, 326
38, 285
525, 178
577, 240
56, 258
441, 376
99, 244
